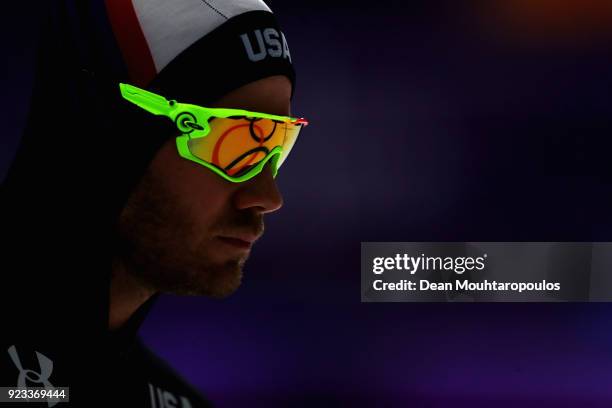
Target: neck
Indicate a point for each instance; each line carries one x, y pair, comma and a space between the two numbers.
126, 296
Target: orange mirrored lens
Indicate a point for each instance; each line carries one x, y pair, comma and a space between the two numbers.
237, 144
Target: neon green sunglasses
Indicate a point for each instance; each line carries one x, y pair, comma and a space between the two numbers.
236, 144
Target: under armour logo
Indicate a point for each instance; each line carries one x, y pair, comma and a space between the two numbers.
42, 377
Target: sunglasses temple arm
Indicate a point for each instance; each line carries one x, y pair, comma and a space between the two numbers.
153, 103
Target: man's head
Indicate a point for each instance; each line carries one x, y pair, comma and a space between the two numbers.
186, 230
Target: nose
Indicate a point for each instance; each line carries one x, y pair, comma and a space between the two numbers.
259, 193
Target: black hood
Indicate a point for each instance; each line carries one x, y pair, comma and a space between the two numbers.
82, 152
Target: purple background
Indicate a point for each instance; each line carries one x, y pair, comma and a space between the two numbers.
422, 128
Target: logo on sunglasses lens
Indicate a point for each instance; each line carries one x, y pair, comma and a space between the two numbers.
269, 43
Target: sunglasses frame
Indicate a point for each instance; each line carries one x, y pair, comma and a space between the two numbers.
193, 122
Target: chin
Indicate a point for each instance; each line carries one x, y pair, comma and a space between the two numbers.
217, 284
224, 288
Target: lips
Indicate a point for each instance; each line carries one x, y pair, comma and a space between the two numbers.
244, 241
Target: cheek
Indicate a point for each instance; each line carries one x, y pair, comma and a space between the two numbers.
206, 206
206, 197
202, 195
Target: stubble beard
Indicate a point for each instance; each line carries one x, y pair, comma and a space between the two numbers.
160, 249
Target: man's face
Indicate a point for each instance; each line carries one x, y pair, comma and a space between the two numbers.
186, 230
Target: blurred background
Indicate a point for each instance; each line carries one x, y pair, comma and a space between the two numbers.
430, 121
